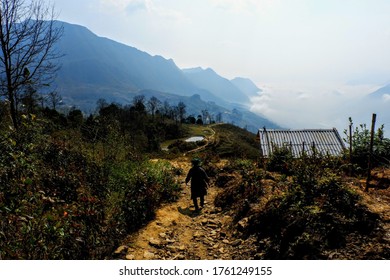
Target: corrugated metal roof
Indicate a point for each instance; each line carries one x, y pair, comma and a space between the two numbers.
325, 141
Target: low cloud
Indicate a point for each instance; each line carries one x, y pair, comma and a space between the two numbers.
136, 6
386, 97
252, 6
130, 7
317, 107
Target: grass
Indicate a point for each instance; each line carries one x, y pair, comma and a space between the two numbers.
190, 130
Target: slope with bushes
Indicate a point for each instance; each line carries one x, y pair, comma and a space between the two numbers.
72, 188
310, 211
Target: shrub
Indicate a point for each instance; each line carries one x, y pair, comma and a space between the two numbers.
139, 189
315, 214
281, 160
56, 202
239, 194
361, 138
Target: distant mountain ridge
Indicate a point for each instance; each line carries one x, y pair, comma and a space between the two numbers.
379, 93
246, 86
209, 80
94, 67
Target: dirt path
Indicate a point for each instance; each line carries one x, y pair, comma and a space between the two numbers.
209, 140
378, 201
178, 232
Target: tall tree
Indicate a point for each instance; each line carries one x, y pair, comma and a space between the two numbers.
28, 34
54, 99
181, 107
139, 104
153, 104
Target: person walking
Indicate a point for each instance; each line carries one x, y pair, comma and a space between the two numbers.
199, 183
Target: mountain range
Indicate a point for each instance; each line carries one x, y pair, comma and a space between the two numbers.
381, 92
94, 67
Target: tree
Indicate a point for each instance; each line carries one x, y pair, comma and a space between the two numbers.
139, 104
219, 117
199, 120
28, 34
75, 117
191, 119
361, 138
205, 116
54, 99
29, 99
166, 109
181, 110
153, 104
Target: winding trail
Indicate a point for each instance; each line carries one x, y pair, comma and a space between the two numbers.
210, 140
177, 232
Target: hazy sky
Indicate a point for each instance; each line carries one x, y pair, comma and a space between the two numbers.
300, 48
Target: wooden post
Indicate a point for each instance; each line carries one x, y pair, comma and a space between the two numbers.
370, 152
313, 148
350, 149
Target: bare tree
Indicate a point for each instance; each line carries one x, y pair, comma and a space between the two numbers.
166, 109
206, 116
219, 117
153, 104
181, 107
54, 99
28, 33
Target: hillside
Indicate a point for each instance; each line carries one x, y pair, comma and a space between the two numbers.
102, 188
209, 80
246, 86
379, 93
251, 213
99, 68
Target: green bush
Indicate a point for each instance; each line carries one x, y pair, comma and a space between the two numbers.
281, 160
315, 214
239, 194
139, 189
361, 138
57, 202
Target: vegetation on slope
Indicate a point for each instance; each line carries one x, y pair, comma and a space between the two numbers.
236, 142
305, 211
73, 187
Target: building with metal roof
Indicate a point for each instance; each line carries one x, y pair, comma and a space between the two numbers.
322, 141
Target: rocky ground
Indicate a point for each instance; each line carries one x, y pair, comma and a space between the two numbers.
178, 232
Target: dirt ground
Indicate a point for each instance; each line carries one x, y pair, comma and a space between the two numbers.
377, 198
177, 232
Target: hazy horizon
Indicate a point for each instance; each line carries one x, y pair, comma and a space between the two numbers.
299, 52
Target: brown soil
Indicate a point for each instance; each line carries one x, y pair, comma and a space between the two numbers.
377, 198
178, 232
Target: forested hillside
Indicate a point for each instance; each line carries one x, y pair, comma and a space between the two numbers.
81, 187
86, 178
71, 186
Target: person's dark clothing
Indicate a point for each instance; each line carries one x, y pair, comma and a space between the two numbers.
199, 180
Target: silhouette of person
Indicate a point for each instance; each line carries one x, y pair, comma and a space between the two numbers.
199, 183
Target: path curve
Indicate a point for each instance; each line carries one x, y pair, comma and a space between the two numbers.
177, 232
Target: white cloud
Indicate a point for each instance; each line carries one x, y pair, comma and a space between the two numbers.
241, 6
386, 97
129, 7
119, 4
137, 5
313, 107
